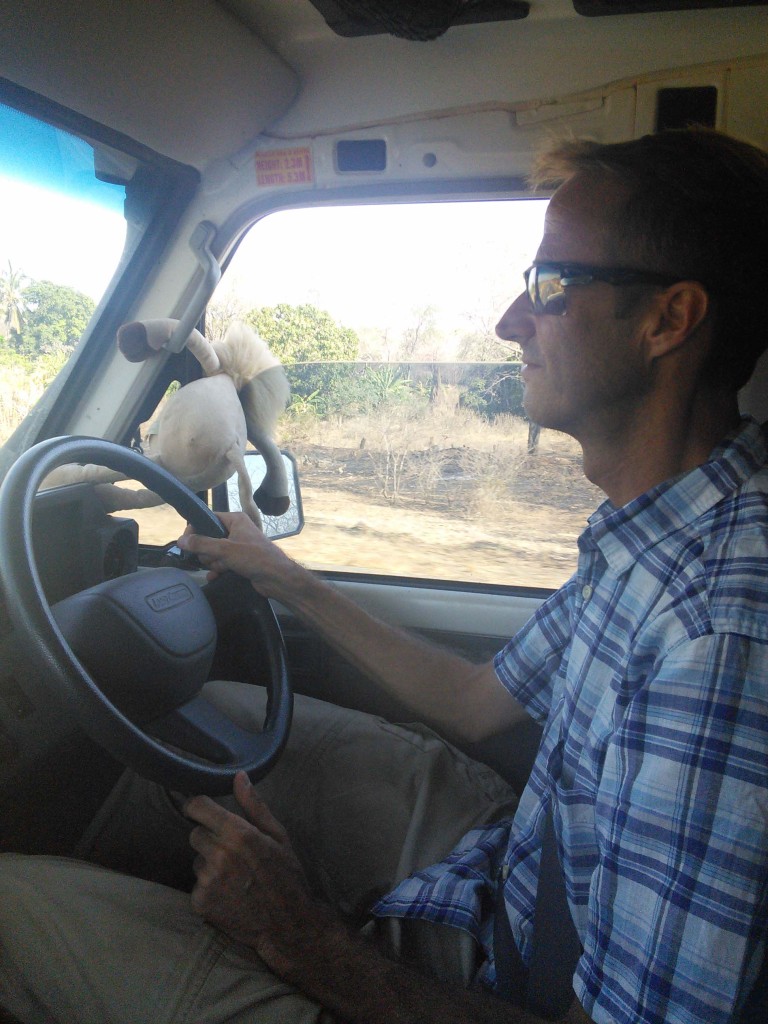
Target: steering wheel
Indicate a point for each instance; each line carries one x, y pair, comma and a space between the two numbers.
130, 655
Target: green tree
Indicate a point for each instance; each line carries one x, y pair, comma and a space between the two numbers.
55, 320
302, 334
12, 300
316, 351
492, 390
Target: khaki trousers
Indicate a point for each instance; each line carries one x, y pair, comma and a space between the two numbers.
365, 803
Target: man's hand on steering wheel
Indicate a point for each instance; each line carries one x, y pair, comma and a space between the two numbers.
130, 655
246, 551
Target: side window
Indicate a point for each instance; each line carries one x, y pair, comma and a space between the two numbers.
406, 415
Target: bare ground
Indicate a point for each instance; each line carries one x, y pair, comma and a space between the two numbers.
537, 551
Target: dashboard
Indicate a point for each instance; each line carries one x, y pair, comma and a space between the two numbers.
76, 545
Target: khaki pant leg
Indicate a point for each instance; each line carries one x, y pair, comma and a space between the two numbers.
82, 944
365, 803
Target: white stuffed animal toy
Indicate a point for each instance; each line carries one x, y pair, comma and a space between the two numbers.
201, 433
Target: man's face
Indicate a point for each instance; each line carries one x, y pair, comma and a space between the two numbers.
583, 372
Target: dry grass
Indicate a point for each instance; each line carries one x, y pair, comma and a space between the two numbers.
18, 393
445, 459
443, 495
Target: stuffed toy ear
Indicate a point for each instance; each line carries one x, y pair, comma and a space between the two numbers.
141, 338
133, 342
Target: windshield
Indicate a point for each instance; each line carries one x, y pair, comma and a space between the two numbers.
63, 235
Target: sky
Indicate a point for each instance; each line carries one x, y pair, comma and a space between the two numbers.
369, 267
375, 266
72, 242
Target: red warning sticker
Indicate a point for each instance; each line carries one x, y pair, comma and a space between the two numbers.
284, 167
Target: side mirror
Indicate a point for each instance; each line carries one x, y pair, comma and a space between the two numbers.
289, 523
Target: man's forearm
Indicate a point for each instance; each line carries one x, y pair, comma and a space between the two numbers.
346, 974
444, 689
464, 701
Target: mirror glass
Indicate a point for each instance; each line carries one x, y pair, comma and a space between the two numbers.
289, 523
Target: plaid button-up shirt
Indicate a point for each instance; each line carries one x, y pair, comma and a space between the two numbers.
649, 673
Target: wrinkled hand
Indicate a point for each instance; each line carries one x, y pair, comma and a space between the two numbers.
250, 884
245, 551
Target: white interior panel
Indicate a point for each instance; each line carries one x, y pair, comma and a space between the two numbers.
185, 78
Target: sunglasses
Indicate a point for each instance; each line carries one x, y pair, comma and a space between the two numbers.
546, 282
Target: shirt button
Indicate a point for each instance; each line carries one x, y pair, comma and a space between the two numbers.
586, 591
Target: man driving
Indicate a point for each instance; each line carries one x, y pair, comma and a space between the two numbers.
378, 873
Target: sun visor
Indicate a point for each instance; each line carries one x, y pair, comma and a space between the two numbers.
185, 77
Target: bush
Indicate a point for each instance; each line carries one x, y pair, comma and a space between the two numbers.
350, 388
492, 390
347, 389
298, 334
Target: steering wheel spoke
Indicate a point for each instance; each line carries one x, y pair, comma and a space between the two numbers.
199, 728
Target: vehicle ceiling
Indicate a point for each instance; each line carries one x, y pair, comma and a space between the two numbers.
201, 79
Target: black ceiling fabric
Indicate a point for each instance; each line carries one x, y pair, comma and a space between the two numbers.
417, 20
603, 8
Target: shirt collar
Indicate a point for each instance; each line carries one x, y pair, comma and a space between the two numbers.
622, 533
